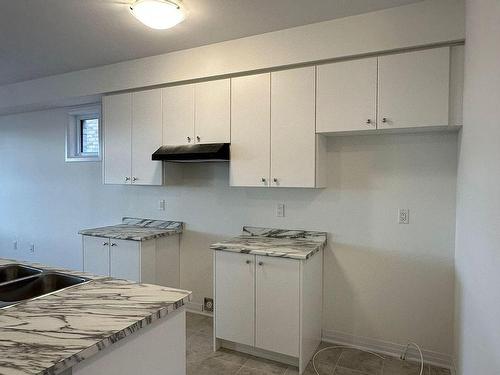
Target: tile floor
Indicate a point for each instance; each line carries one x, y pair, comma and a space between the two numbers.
201, 360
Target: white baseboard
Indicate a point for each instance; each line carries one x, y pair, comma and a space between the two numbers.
388, 348
197, 308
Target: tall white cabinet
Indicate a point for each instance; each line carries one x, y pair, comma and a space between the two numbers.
269, 306
273, 139
132, 132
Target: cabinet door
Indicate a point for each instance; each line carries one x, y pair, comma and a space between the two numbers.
413, 89
146, 137
293, 135
96, 255
125, 259
234, 297
117, 138
346, 96
250, 130
178, 115
212, 111
277, 305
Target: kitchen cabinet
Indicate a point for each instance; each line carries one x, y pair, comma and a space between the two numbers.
414, 89
155, 261
273, 138
396, 91
347, 96
236, 272
269, 306
197, 113
132, 132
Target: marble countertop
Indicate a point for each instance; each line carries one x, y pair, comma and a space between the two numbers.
136, 229
51, 334
294, 244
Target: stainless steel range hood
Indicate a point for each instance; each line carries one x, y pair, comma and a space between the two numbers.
196, 153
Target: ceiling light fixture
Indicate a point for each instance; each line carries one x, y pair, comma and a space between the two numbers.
157, 14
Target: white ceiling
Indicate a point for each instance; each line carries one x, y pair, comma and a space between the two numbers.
46, 37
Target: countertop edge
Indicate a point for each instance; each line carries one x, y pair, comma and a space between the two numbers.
167, 233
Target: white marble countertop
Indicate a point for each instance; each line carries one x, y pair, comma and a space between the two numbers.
283, 243
51, 334
136, 229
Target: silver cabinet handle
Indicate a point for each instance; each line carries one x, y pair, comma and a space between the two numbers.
189, 139
261, 263
105, 244
384, 119
113, 244
248, 261
127, 179
198, 138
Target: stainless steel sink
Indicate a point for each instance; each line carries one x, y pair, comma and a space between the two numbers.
11, 272
33, 286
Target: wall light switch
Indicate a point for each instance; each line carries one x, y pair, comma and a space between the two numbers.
280, 210
162, 204
404, 216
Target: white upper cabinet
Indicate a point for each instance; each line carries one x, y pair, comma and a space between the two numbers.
117, 130
347, 96
197, 113
132, 132
213, 111
250, 130
146, 137
414, 89
178, 115
293, 138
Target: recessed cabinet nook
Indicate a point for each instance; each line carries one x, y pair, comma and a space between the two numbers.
277, 122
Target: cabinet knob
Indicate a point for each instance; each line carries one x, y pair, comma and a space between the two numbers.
275, 180
263, 179
198, 138
127, 178
105, 244
134, 178
261, 263
189, 139
248, 261
114, 244
384, 119
369, 121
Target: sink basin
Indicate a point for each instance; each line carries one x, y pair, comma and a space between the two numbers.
36, 286
11, 272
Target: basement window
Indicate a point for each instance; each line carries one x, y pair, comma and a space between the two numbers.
83, 135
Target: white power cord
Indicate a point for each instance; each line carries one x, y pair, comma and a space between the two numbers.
403, 356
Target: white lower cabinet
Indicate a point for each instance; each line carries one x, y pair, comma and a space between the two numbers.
153, 261
269, 307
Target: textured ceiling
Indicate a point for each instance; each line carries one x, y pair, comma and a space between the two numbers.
45, 37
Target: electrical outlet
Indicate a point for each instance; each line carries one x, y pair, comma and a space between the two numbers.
14, 245
208, 304
404, 216
162, 204
32, 248
280, 210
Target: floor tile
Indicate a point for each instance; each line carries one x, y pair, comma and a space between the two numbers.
323, 368
395, 366
270, 367
360, 361
212, 366
346, 371
330, 356
439, 371
198, 348
230, 355
252, 371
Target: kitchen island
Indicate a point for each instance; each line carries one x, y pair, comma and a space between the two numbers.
103, 326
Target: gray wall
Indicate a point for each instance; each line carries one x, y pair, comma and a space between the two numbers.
478, 199
382, 280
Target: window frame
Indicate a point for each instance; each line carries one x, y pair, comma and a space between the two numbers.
74, 133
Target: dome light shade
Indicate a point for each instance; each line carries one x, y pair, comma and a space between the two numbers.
157, 14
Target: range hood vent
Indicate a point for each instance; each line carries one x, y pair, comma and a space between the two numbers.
197, 153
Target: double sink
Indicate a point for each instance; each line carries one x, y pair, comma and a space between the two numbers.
19, 283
